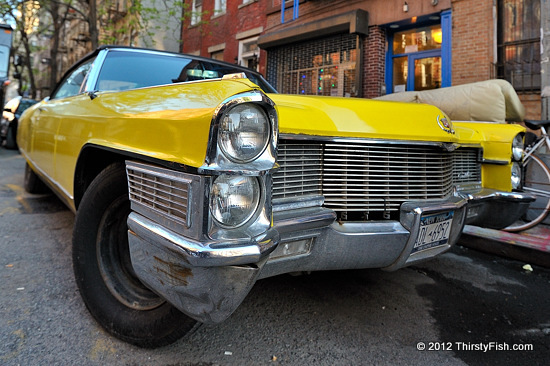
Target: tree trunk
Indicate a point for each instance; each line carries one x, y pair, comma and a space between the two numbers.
28, 64
92, 22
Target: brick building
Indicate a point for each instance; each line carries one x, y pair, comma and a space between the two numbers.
360, 48
226, 30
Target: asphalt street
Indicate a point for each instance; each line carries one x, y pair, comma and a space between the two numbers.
463, 308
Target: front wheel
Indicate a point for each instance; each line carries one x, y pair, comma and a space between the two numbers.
537, 183
104, 274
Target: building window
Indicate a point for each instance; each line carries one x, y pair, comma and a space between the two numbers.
321, 67
196, 12
519, 44
220, 6
217, 55
249, 53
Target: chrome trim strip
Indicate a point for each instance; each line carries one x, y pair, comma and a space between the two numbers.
93, 75
449, 146
294, 203
495, 162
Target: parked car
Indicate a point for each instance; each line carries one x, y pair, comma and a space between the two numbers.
10, 119
191, 179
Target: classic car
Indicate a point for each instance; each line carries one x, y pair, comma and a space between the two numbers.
10, 120
191, 179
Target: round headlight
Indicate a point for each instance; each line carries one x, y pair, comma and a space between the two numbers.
243, 132
234, 199
516, 176
517, 148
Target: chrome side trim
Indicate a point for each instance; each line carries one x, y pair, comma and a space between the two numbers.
93, 75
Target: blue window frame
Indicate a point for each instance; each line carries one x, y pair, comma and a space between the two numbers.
413, 67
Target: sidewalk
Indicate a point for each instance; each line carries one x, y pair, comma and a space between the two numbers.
530, 246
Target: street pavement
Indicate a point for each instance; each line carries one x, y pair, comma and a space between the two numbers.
463, 308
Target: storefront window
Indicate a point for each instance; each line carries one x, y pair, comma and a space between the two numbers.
419, 39
416, 57
323, 67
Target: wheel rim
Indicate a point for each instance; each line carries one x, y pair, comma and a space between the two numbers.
113, 256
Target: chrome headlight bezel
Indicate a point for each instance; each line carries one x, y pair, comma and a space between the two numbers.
218, 160
243, 132
516, 176
518, 148
230, 191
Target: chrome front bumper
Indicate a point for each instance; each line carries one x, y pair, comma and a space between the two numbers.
493, 209
208, 281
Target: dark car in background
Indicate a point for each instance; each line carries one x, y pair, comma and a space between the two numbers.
10, 118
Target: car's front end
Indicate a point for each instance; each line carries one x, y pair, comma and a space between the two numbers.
342, 187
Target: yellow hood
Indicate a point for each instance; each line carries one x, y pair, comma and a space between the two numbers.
364, 118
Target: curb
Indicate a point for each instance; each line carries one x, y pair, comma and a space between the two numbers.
531, 246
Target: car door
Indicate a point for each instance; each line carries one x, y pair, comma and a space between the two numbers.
48, 116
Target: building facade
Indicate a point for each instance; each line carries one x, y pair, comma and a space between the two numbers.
226, 30
358, 48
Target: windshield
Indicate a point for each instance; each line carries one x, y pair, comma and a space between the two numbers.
123, 70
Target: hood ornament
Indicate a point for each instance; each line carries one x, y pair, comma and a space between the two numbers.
445, 124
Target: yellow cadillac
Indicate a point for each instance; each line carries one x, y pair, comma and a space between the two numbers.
192, 179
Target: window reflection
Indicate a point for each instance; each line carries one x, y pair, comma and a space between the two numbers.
419, 39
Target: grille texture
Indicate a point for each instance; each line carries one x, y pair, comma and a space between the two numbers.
367, 177
162, 193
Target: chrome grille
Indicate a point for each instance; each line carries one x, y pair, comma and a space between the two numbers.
165, 194
371, 177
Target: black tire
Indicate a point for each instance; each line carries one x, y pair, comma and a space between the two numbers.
32, 182
10, 139
113, 294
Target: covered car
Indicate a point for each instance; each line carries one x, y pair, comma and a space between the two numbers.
191, 179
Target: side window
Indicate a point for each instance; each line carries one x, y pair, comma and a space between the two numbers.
73, 83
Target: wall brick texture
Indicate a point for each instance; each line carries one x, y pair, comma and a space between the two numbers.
219, 29
374, 55
472, 45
